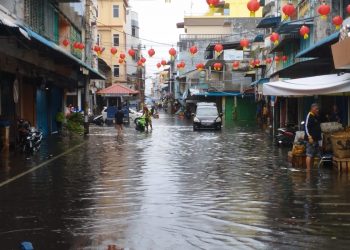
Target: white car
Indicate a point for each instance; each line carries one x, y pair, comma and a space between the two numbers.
133, 114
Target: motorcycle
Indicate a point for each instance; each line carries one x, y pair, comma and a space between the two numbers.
29, 138
285, 136
98, 120
140, 123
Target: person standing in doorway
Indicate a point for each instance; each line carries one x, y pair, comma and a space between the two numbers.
119, 116
312, 135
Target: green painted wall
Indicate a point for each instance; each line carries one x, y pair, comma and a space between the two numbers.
246, 109
229, 102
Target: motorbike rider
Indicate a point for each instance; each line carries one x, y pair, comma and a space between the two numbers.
147, 113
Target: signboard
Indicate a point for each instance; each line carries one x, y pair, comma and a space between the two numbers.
232, 54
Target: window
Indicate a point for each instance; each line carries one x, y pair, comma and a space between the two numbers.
115, 40
115, 10
116, 70
98, 39
134, 31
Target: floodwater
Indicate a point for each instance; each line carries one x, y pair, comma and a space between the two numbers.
174, 188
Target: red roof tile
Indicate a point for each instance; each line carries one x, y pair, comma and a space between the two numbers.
117, 90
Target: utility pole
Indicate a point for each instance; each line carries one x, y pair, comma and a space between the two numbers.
88, 56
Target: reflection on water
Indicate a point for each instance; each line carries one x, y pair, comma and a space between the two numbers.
174, 188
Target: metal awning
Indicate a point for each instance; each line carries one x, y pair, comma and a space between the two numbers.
93, 73
269, 22
285, 40
320, 49
260, 81
305, 68
294, 26
217, 94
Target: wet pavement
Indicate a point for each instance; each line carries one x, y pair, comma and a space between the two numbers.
172, 188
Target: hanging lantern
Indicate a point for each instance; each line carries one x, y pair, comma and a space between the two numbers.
244, 43
193, 50
218, 48
163, 62
268, 60
337, 21
98, 50
256, 62
143, 60
81, 46
122, 56
65, 42
217, 66
139, 63
253, 6
213, 3
159, 65
131, 52
172, 53
277, 59
76, 45
284, 58
121, 61
151, 52
252, 63
114, 51
199, 66
304, 31
288, 10
275, 38
348, 9
183, 64
324, 10
235, 65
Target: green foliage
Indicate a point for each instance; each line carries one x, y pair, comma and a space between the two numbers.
75, 122
60, 117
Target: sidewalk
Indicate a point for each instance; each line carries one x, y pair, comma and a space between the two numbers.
14, 162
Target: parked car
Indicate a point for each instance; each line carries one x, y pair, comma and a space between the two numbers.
207, 117
133, 114
206, 104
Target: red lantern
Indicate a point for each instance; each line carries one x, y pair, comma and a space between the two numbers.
76, 45
256, 62
348, 9
121, 61
275, 38
304, 31
277, 59
143, 60
172, 53
213, 3
81, 46
244, 43
114, 51
337, 21
65, 42
324, 10
159, 65
252, 63
218, 48
193, 50
131, 52
163, 62
199, 66
151, 52
181, 65
268, 60
235, 64
253, 6
122, 56
97, 49
139, 63
284, 58
217, 66
288, 10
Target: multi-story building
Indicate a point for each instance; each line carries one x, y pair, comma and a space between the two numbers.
39, 62
111, 26
226, 24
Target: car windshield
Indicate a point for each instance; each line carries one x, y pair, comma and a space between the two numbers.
207, 111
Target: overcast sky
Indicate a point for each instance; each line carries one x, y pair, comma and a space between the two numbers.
157, 21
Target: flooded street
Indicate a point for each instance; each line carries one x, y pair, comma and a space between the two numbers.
174, 188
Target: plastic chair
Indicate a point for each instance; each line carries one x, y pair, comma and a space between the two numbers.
325, 158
